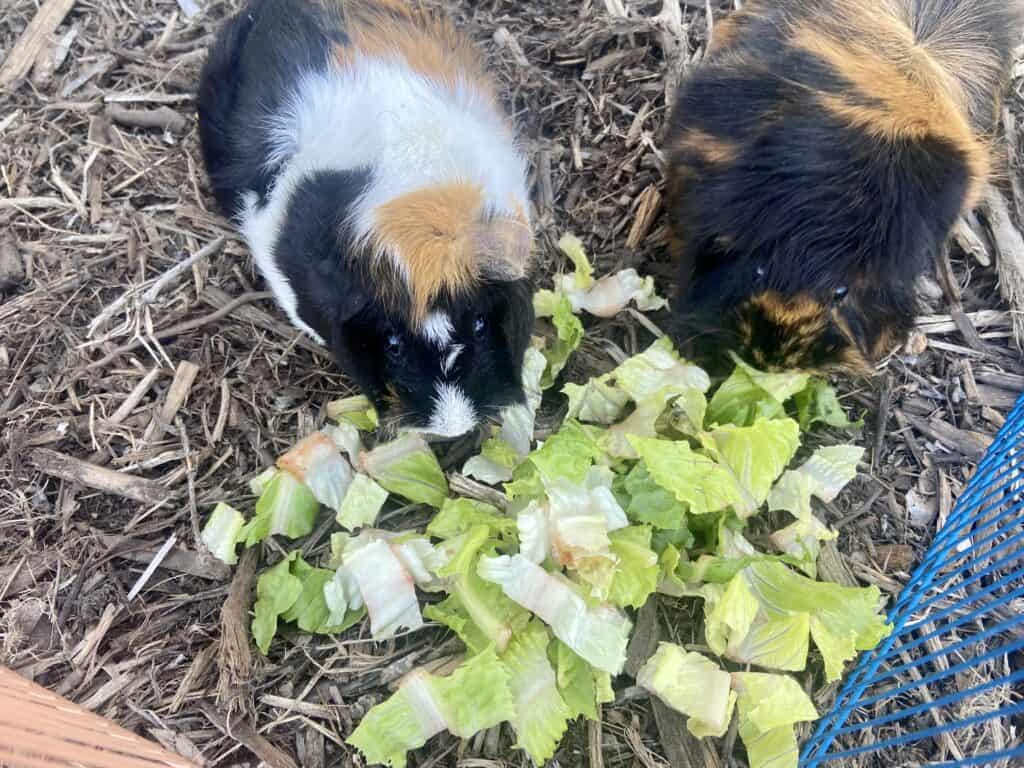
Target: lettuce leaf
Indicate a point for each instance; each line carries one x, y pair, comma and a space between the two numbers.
276, 592
357, 411
769, 705
387, 588
598, 634
310, 609
568, 336
223, 530
636, 575
596, 402
843, 620
701, 483
691, 684
819, 403
317, 462
582, 686
363, 502
757, 455
285, 508
459, 515
409, 468
656, 368
474, 697
647, 502
749, 394
541, 715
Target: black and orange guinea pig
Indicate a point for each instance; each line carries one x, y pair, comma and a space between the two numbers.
818, 160
361, 150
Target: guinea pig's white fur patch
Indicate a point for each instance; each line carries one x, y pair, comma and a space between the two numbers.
453, 413
409, 131
438, 329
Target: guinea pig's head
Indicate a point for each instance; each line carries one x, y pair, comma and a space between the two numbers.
801, 225
452, 370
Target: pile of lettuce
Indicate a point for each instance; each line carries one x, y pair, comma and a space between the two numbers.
650, 485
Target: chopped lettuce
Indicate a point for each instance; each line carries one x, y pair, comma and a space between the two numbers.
357, 411
363, 502
286, 507
599, 634
277, 590
658, 367
749, 393
769, 705
310, 609
568, 336
582, 686
317, 462
609, 295
691, 684
636, 574
756, 455
223, 530
819, 403
474, 697
409, 468
475, 609
596, 402
459, 515
698, 481
647, 502
541, 715
387, 588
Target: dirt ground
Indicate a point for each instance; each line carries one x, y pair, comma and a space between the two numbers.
175, 386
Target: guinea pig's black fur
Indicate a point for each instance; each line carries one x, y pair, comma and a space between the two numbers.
360, 149
818, 160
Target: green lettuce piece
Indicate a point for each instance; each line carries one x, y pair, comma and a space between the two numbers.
657, 368
286, 508
357, 411
691, 684
774, 642
572, 247
569, 335
541, 715
647, 502
495, 462
474, 697
582, 686
597, 633
749, 393
729, 613
310, 609
636, 575
276, 592
568, 454
757, 455
843, 620
607, 296
317, 461
689, 411
476, 610
801, 540
223, 530
769, 705
596, 402
819, 403
642, 422
701, 483
460, 515
362, 503
409, 468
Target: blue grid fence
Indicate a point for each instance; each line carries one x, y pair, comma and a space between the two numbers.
954, 663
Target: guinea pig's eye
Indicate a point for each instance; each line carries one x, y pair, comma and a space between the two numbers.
840, 293
760, 272
394, 344
479, 325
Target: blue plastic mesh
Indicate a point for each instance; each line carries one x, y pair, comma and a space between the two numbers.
950, 677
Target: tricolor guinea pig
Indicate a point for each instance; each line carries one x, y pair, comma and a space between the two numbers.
360, 148
818, 160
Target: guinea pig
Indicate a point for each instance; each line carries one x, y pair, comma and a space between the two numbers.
818, 160
361, 151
